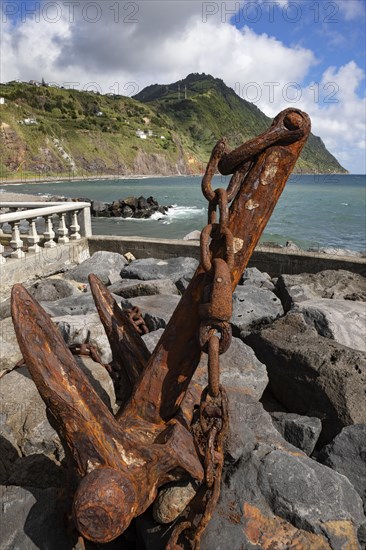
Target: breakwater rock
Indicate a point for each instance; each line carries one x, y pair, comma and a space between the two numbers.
130, 207
295, 455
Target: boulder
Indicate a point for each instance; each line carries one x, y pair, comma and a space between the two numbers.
239, 368
153, 203
152, 338
308, 495
182, 284
252, 276
342, 320
100, 208
10, 353
80, 305
85, 329
49, 290
102, 264
132, 202
32, 519
301, 431
142, 203
347, 455
331, 284
5, 309
30, 449
29, 445
126, 212
150, 268
312, 375
131, 288
193, 236
253, 307
100, 379
157, 309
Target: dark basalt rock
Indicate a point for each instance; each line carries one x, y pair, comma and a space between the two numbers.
347, 455
331, 284
131, 207
301, 431
312, 375
151, 268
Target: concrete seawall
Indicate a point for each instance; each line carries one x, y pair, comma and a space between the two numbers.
270, 260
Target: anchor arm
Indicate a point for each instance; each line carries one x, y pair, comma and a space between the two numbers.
129, 351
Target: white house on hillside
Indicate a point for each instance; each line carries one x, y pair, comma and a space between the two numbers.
141, 134
28, 121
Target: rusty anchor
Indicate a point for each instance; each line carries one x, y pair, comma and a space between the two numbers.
117, 463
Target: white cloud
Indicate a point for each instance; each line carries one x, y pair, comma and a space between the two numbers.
351, 9
170, 40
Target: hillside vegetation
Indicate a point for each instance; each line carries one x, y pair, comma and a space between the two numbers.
53, 131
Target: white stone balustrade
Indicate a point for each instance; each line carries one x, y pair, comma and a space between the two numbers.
79, 227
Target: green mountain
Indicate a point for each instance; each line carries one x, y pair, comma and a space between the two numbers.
166, 130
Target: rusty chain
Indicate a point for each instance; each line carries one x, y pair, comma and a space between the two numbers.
137, 320
215, 335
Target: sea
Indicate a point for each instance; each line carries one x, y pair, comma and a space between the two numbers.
317, 212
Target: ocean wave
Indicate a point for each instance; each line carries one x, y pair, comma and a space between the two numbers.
12, 184
174, 213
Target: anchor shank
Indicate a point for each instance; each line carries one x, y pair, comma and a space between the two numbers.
163, 384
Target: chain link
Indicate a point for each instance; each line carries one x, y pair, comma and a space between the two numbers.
215, 338
137, 320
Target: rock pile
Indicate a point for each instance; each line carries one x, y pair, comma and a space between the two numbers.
295, 462
131, 207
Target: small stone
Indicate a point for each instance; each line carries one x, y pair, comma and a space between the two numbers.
172, 500
129, 257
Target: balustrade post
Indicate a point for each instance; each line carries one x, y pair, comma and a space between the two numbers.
16, 242
49, 234
63, 231
75, 227
85, 222
33, 238
2, 257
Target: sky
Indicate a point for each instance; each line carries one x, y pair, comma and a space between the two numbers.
275, 53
